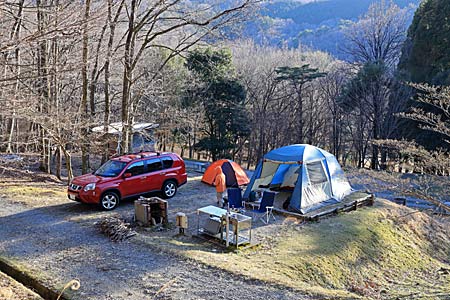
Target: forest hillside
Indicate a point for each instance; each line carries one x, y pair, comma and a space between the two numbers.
316, 24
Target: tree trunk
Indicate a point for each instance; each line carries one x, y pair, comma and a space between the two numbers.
43, 163
68, 160
250, 152
190, 145
262, 136
194, 139
58, 162
11, 133
42, 76
15, 34
164, 142
107, 112
49, 156
375, 136
106, 117
84, 92
383, 165
55, 95
374, 158
127, 79
300, 114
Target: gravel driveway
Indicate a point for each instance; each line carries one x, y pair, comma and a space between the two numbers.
49, 242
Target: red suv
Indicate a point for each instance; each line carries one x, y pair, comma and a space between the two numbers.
129, 176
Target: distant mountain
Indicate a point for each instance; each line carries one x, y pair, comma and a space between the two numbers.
314, 23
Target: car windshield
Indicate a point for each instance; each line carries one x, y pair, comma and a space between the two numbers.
111, 168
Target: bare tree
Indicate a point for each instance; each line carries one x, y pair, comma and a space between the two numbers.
331, 87
45, 102
84, 88
299, 77
273, 104
375, 42
256, 67
112, 20
15, 35
437, 97
378, 35
184, 23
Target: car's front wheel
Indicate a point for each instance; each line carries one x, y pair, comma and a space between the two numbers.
109, 200
169, 189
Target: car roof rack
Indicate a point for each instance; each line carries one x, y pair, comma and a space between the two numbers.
139, 155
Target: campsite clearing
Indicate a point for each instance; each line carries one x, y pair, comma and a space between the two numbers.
383, 251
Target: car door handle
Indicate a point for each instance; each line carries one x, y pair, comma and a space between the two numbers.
144, 177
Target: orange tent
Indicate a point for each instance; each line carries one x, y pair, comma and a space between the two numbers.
234, 174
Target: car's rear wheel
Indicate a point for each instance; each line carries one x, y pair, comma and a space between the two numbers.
169, 189
109, 201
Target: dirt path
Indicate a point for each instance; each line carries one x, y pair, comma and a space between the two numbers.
58, 250
13, 290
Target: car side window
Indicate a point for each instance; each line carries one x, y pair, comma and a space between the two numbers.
136, 168
154, 165
167, 162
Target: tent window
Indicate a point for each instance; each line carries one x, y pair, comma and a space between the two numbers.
316, 173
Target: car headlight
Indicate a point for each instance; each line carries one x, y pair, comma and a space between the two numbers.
89, 187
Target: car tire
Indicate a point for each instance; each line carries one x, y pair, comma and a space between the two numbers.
109, 200
169, 189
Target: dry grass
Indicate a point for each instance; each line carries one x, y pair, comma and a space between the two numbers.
381, 252
34, 189
34, 195
392, 185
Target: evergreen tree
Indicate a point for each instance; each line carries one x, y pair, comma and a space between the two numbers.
426, 59
426, 55
222, 97
367, 96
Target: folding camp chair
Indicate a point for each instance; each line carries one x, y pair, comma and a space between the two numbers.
235, 198
265, 209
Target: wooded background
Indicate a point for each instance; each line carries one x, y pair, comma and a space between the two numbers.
69, 66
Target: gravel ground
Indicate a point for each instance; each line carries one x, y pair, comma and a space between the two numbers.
13, 290
56, 240
56, 248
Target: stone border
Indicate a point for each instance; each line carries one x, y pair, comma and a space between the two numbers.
29, 281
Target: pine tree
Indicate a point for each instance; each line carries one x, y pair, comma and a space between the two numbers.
426, 57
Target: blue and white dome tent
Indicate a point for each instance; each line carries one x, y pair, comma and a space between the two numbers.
312, 176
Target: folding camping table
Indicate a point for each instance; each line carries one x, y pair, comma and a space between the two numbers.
215, 226
215, 216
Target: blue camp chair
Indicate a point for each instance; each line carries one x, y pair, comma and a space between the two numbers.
235, 198
265, 210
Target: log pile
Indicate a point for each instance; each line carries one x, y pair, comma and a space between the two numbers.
115, 228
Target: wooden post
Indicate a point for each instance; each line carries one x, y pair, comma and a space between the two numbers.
227, 222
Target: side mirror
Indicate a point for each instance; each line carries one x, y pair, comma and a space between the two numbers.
126, 175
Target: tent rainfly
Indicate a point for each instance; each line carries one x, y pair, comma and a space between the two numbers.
313, 175
234, 174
